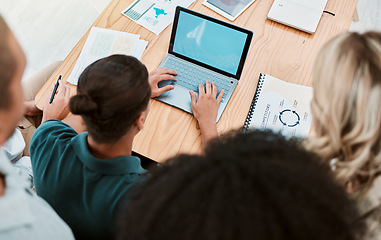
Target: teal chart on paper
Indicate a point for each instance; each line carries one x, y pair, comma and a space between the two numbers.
154, 15
159, 11
210, 43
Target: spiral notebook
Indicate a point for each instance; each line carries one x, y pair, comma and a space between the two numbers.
281, 107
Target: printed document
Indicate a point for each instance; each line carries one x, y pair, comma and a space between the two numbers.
103, 43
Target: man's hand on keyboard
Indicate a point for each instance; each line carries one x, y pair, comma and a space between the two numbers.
157, 76
205, 109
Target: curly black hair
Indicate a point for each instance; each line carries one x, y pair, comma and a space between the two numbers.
255, 185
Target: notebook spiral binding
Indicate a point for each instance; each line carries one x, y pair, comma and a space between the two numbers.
254, 103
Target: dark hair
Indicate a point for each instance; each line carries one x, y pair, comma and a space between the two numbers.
111, 94
255, 185
7, 66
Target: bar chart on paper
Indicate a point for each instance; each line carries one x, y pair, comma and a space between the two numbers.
154, 15
138, 9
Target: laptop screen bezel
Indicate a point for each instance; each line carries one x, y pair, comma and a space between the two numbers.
244, 52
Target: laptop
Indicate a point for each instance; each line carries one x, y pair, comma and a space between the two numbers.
301, 14
203, 48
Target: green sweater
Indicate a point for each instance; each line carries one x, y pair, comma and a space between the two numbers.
85, 191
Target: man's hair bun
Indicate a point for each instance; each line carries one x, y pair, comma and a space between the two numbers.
81, 104
112, 93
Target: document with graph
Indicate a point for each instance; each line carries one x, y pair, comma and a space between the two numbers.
281, 107
154, 15
105, 42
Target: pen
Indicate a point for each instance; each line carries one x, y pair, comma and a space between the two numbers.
55, 89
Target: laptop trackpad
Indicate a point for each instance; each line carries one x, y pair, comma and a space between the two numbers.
178, 97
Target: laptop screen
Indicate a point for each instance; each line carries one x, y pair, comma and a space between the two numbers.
209, 41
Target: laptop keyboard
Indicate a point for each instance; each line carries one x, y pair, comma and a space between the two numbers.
190, 76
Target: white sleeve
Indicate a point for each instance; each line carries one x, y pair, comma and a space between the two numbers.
14, 147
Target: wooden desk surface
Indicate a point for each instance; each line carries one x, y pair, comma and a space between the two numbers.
276, 49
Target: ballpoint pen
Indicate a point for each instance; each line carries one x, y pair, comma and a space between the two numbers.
55, 89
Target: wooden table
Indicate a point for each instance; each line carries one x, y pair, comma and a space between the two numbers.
276, 49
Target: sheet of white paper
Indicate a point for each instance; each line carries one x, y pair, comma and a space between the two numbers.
102, 43
154, 15
139, 49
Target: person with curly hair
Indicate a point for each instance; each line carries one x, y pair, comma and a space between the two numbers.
255, 185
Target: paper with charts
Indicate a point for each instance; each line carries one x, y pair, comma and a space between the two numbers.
282, 107
105, 42
154, 15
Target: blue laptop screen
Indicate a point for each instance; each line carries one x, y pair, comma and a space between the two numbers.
208, 42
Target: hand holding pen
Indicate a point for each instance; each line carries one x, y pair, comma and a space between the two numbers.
55, 89
57, 102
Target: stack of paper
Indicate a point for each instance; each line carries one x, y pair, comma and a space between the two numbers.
103, 43
154, 15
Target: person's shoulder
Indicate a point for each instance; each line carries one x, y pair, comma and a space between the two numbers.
53, 135
52, 130
39, 220
55, 125
47, 224
372, 198
49, 217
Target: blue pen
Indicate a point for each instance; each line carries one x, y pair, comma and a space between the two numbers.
55, 89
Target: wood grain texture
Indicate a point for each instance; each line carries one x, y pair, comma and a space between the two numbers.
276, 49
